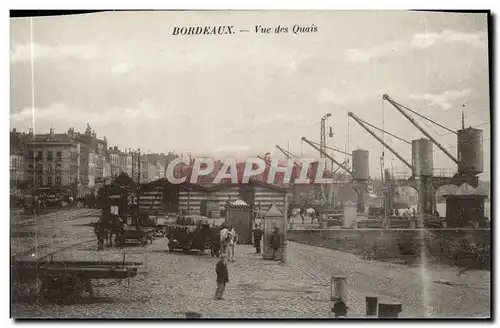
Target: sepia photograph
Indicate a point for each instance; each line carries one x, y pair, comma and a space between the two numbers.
264, 164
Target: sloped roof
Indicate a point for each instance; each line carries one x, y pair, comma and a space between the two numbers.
274, 211
465, 190
251, 181
239, 202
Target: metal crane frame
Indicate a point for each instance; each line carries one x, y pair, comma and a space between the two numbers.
332, 148
287, 154
409, 118
362, 124
327, 156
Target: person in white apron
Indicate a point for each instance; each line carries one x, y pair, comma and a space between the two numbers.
224, 241
233, 239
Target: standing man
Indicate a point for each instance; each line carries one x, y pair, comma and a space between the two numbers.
222, 277
275, 243
257, 236
302, 213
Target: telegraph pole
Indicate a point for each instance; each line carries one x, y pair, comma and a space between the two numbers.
322, 144
138, 181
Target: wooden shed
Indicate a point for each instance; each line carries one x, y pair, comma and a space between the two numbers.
239, 216
465, 207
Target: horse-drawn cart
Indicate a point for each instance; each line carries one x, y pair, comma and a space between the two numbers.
67, 281
190, 232
142, 235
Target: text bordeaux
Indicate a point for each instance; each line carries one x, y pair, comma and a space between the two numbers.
203, 30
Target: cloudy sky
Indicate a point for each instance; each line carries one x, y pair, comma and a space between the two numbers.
141, 87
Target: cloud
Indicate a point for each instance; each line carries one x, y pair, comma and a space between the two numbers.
327, 96
121, 68
231, 148
66, 115
360, 56
22, 52
444, 100
418, 41
425, 40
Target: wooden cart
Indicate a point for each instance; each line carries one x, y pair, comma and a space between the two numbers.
67, 281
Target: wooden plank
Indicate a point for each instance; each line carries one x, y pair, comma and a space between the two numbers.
93, 273
78, 263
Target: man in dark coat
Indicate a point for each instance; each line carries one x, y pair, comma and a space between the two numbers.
257, 236
302, 213
275, 243
222, 277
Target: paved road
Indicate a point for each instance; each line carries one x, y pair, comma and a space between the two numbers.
171, 284
62, 228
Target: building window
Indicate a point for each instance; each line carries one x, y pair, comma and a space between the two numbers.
58, 181
49, 155
39, 180
49, 181
59, 155
30, 154
40, 155
50, 168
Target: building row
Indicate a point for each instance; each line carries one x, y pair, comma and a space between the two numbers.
78, 161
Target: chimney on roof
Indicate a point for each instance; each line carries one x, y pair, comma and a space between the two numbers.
30, 133
14, 130
52, 132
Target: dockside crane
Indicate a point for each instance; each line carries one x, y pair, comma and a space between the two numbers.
388, 190
360, 186
427, 197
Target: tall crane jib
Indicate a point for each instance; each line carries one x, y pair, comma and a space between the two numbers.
400, 107
365, 125
313, 145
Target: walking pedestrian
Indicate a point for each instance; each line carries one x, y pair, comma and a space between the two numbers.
257, 236
275, 243
222, 277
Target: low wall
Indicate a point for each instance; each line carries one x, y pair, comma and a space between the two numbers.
462, 247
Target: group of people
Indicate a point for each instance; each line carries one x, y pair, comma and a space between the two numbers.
228, 239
